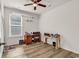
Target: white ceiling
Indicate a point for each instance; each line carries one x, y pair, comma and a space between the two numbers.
19, 4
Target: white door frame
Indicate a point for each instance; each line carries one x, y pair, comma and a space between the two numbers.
2, 28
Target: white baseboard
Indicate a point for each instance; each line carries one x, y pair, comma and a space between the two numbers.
71, 50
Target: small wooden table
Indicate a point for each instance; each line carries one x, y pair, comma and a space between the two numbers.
57, 37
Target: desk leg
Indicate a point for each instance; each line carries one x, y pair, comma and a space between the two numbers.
45, 40
57, 43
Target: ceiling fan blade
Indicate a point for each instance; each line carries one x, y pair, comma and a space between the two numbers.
32, 0
35, 0
38, 0
34, 8
42, 5
28, 4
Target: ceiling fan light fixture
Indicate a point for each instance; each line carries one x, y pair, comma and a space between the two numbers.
34, 5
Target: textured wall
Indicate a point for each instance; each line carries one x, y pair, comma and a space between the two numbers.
63, 20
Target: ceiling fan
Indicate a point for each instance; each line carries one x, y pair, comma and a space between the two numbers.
35, 3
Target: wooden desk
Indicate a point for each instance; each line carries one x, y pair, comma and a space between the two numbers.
36, 36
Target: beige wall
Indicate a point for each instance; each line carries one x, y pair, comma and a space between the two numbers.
65, 21
15, 40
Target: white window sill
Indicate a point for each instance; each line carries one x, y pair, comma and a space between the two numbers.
16, 36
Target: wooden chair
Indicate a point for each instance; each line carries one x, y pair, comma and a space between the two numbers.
27, 38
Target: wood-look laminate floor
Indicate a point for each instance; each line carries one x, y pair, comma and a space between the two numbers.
38, 50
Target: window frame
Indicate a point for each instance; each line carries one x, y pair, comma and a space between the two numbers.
10, 25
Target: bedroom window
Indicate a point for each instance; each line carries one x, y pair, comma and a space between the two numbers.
15, 25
